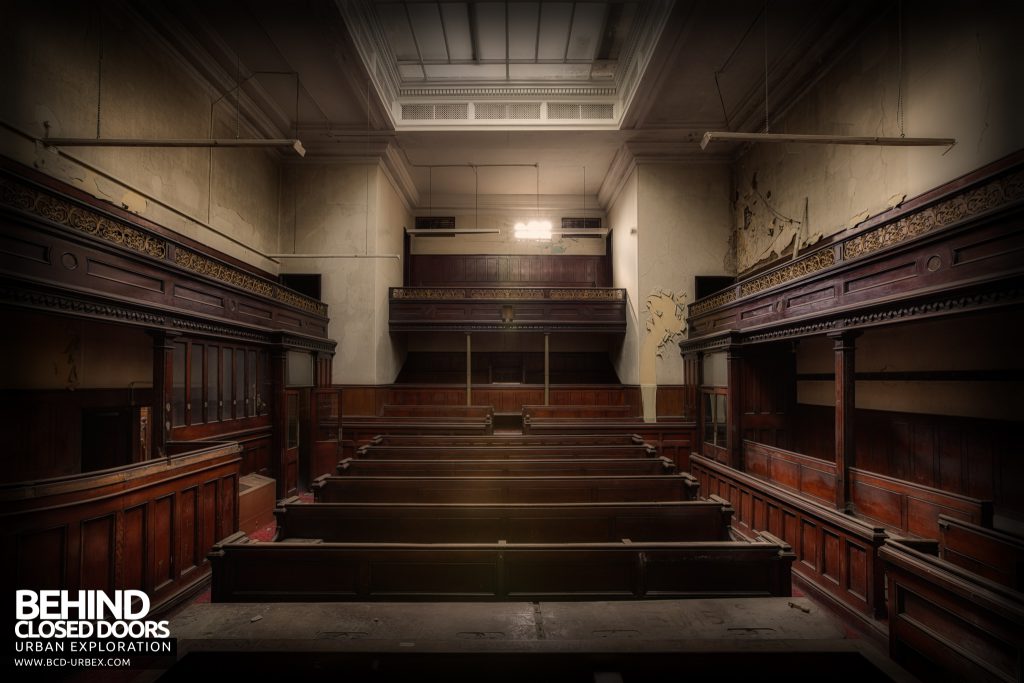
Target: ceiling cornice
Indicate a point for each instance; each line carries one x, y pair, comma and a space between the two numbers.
683, 149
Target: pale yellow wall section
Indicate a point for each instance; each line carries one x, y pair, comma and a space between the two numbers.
49, 65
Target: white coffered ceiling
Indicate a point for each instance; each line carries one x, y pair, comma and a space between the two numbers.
344, 74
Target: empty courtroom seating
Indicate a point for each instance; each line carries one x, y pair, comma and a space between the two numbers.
699, 520
552, 489
421, 467
501, 452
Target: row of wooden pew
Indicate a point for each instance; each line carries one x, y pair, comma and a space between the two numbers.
496, 517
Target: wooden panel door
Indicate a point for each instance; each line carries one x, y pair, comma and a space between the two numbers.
325, 430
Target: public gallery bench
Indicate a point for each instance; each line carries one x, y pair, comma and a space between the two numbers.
698, 520
505, 468
505, 452
591, 489
590, 412
441, 412
432, 440
244, 571
968, 626
995, 555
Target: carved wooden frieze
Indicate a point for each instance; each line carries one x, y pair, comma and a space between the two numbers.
509, 293
60, 211
29, 200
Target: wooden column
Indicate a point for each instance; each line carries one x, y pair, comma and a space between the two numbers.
734, 405
163, 386
469, 369
845, 385
547, 368
278, 418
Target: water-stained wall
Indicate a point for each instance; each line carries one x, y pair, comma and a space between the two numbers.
959, 78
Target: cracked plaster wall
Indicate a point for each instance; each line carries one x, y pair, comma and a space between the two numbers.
961, 76
684, 232
49, 64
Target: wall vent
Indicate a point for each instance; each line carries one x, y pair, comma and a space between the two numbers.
435, 222
435, 112
581, 223
573, 111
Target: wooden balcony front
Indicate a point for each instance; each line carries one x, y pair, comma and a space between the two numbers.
507, 309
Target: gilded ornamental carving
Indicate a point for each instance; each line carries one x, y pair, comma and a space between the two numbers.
509, 293
808, 265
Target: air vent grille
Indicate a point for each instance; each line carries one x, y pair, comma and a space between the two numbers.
435, 222
572, 111
518, 110
581, 223
435, 112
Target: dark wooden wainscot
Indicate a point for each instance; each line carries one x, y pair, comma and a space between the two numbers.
966, 626
835, 552
145, 526
507, 309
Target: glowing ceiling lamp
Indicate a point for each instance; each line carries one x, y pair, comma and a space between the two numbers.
533, 230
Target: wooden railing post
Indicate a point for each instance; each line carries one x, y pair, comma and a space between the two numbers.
845, 386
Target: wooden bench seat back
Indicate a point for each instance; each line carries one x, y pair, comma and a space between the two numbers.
504, 452
591, 489
535, 523
505, 468
244, 571
993, 554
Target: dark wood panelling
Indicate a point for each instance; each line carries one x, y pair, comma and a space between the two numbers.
134, 527
244, 571
946, 623
44, 429
529, 309
993, 554
836, 553
966, 456
508, 270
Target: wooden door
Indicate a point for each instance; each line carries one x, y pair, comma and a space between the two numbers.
291, 442
325, 428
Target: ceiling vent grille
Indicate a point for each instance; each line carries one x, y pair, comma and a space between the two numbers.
490, 111
571, 111
435, 112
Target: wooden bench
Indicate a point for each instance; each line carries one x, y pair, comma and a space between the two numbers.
986, 552
433, 440
505, 452
699, 520
580, 412
244, 571
593, 489
505, 468
969, 627
444, 412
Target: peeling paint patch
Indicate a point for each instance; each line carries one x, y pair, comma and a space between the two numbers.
666, 322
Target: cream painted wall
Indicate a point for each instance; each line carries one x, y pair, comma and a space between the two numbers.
392, 214
961, 78
49, 56
333, 209
978, 343
623, 218
348, 209
685, 228
52, 352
